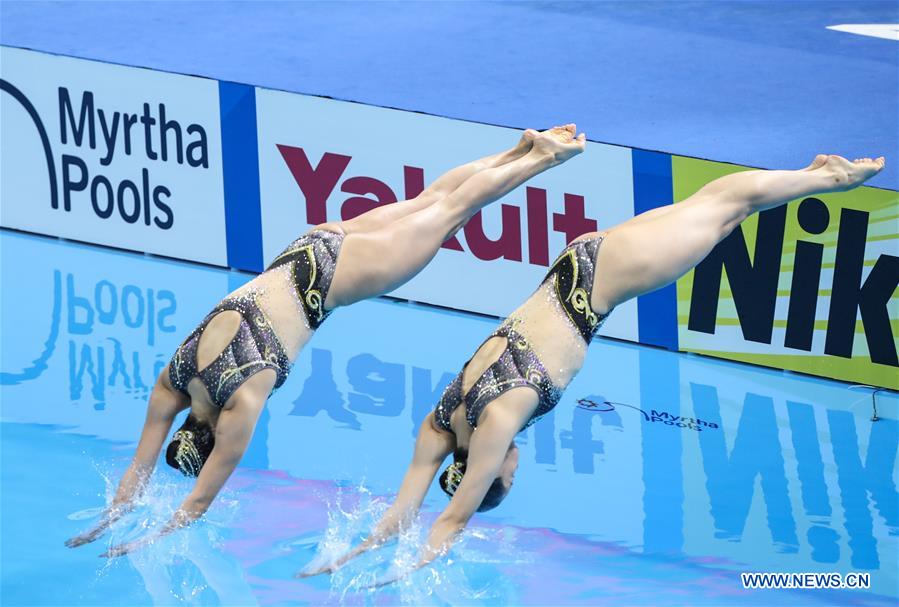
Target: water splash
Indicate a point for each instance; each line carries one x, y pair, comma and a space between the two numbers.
186, 567
468, 575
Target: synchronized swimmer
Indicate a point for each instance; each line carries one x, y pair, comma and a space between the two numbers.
519, 373
229, 365
243, 350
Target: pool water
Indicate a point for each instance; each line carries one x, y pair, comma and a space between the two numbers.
615, 502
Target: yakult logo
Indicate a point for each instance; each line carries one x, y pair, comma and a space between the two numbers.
319, 182
87, 137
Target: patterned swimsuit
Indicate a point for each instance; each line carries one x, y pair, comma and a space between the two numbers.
572, 276
255, 346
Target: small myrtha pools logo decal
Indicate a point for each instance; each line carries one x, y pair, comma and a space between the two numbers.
654, 416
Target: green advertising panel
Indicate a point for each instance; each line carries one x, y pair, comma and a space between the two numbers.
808, 287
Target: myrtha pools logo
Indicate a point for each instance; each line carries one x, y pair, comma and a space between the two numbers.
111, 163
653, 417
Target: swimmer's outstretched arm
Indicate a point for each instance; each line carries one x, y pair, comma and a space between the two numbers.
431, 448
165, 404
489, 444
232, 436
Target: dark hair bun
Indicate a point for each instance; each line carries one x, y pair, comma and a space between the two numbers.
452, 477
190, 446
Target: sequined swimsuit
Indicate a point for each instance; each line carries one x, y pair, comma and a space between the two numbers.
517, 366
256, 346
572, 277
312, 259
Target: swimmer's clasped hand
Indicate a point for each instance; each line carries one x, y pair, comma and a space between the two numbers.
372, 542
181, 518
429, 554
123, 549
109, 517
396, 576
85, 538
304, 574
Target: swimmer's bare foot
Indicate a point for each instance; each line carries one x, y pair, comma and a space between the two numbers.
846, 175
524, 144
560, 143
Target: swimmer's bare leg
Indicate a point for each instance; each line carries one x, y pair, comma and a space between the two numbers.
440, 188
642, 255
819, 161
376, 262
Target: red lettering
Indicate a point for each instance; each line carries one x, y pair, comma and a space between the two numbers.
452, 243
538, 231
573, 222
315, 183
414, 180
507, 246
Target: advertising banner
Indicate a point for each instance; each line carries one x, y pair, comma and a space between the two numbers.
111, 155
809, 286
228, 174
324, 160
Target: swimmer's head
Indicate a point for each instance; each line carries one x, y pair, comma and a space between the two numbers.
499, 488
190, 446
